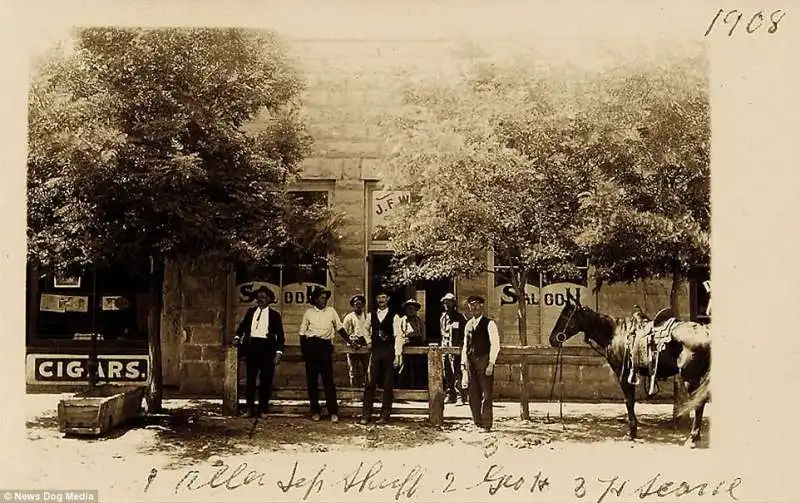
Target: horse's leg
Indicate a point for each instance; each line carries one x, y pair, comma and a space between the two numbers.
629, 390
697, 420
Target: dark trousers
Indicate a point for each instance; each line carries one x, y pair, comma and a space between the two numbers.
260, 361
318, 356
358, 365
452, 377
415, 369
481, 389
381, 368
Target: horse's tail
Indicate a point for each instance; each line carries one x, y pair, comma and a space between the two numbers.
700, 395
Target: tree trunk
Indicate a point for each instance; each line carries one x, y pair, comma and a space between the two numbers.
230, 398
519, 283
678, 388
155, 393
677, 282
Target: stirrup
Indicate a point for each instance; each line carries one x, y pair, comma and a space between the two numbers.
633, 377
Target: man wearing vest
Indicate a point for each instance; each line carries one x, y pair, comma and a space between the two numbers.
384, 324
261, 338
478, 357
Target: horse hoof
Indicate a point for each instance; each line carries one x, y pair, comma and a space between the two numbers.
690, 443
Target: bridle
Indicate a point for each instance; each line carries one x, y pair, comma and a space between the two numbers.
558, 372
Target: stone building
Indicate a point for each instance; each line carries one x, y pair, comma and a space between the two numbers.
352, 85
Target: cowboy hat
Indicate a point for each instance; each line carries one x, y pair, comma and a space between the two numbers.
266, 290
475, 299
412, 302
357, 296
449, 296
318, 292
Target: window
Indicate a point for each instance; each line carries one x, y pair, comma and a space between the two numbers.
700, 289
112, 301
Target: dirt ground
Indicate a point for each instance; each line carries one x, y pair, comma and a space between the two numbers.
194, 439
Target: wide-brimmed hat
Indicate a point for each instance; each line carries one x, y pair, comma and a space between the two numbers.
475, 299
449, 296
412, 302
357, 296
318, 292
266, 290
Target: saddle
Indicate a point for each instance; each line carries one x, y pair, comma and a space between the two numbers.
645, 346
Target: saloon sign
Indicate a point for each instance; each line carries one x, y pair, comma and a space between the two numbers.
73, 369
551, 295
543, 301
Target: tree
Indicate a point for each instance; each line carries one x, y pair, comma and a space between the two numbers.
177, 144
483, 159
501, 161
649, 213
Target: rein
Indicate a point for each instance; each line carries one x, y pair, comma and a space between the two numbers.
558, 372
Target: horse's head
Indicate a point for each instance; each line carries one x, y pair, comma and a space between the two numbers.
569, 323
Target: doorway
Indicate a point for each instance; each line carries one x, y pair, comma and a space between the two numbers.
431, 290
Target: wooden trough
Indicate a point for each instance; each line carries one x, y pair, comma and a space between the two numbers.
98, 410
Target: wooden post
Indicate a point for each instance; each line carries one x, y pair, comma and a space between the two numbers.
435, 386
155, 393
678, 398
230, 396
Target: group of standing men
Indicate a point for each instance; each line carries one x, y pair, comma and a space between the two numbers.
468, 376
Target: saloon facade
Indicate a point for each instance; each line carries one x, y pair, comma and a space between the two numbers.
351, 85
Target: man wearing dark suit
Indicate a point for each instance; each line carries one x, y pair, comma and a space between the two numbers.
383, 345
260, 335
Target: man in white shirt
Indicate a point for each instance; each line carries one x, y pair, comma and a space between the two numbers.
260, 335
319, 326
414, 368
478, 358
356, 324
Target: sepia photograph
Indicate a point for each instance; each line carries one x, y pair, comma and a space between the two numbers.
380, 261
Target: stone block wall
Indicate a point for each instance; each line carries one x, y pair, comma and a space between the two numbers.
192, 328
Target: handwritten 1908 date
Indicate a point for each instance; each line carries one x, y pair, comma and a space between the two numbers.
750, 24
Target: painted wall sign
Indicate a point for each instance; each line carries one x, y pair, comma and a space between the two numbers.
384, 203
544, 304
73, 369
247, 291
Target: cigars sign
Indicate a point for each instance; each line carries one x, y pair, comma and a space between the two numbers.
74, 369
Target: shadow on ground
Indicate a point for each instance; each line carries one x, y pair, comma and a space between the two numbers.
198, 430
653, 429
